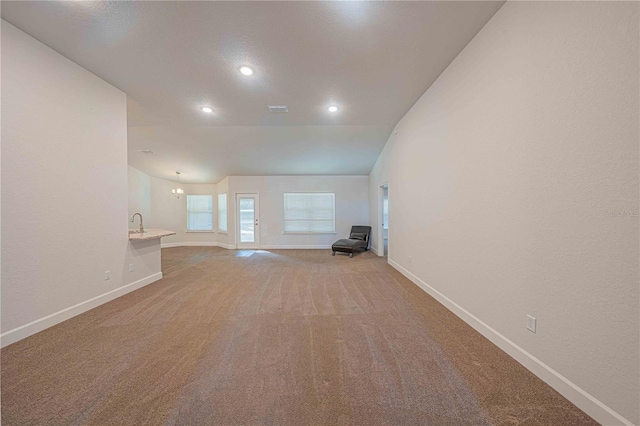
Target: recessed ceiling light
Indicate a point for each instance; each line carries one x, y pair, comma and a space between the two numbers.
208, 110
333, 108
246, 70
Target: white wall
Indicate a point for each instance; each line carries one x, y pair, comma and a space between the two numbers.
169, 212
351, 206
161, 209
64, 190
139, 195
513, 184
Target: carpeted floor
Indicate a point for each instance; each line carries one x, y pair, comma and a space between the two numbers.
291, 337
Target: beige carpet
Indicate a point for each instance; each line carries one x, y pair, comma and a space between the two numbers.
291, 337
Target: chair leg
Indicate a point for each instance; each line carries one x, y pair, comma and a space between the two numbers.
333, 253
350, 254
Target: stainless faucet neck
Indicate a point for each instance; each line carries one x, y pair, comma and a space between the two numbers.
133, 218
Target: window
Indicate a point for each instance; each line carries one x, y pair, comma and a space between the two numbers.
222, 212
385, 213
309, 213
199, 213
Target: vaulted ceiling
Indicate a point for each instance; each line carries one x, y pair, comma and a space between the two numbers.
372, 60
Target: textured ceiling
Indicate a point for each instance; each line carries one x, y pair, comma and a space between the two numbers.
372, 59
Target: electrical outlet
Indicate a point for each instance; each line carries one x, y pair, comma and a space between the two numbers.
531, 324
131, 267
107, 275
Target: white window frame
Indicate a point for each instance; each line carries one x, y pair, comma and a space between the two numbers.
284, 225
385, 208
188, 212
224, 230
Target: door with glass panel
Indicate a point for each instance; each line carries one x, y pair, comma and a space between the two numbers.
248, 229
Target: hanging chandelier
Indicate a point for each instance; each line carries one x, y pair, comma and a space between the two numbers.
178, 191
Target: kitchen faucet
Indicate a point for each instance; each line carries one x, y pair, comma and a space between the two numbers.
141, 227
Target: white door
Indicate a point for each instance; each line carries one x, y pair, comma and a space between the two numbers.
248, 229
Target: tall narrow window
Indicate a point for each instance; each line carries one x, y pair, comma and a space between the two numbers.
222, 212
385, 213
199, 213
309, 213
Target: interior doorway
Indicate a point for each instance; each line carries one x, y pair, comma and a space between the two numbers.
247, 219
383, 220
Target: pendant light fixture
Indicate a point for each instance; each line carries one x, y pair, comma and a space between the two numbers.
178, 191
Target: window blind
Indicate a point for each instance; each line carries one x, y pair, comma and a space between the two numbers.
222, 212
199, 213
309, 213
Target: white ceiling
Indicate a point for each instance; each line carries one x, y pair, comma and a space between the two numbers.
372, 59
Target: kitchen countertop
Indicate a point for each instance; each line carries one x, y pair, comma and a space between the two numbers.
149, 234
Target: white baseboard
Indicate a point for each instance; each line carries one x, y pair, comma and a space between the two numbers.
38, 325
197, 244
290, 247
233, 247
227, 246
373, 249
189, 244
578, 396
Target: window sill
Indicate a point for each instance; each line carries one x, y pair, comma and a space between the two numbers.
222, 232
200, 232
